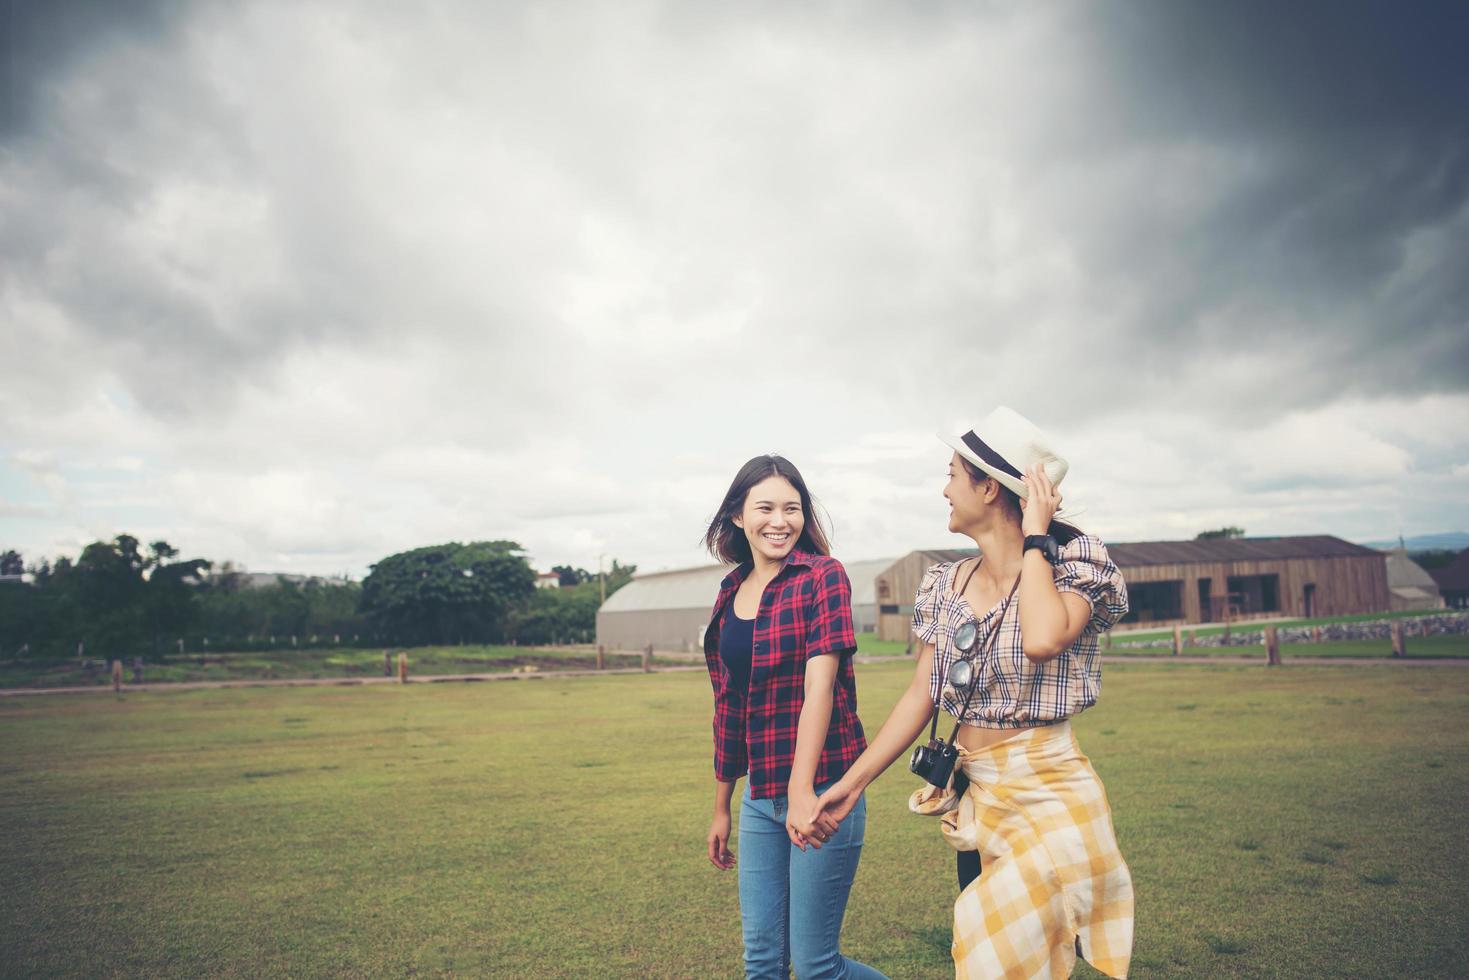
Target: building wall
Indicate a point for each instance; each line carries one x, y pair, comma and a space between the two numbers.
894, 590
676, 630
679, 630
1343, 586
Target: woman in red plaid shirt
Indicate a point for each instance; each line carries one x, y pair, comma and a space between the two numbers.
779, 646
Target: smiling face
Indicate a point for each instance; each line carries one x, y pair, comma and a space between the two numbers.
967, 500
772, 518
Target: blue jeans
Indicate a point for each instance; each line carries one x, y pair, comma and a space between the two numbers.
792, 901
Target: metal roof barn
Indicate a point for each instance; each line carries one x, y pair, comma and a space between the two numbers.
670, 609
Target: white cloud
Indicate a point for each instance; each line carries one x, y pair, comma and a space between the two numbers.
301, 286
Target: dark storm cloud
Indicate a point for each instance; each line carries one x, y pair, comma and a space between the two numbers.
1331, 149
43, 40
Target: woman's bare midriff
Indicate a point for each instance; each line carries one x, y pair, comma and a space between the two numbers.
973, 738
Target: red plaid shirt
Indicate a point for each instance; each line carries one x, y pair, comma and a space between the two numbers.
805, 611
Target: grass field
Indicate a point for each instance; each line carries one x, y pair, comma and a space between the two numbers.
1419, 647
1300, 822
314, 662
1255, 625
342, 662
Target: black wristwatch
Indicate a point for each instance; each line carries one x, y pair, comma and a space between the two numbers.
1046, 543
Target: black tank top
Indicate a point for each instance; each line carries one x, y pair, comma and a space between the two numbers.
736, 646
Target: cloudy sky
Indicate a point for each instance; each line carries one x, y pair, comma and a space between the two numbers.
304, 284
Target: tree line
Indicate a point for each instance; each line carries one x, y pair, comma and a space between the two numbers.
121, 599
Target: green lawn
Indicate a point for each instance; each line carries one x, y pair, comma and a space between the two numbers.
314, 662
1418, 647
1255, 625
1299, 822
869, 645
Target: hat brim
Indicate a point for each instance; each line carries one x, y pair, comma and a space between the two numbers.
1005, 479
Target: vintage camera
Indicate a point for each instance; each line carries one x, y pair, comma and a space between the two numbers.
935, 761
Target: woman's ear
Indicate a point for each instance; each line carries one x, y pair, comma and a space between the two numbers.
738, 522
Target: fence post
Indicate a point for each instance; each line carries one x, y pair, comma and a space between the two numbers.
1315, 634
601, 657
387, 664
1272, 647
1177, 639
402, 668
648, 658
1399, 645
117, 676
137, 670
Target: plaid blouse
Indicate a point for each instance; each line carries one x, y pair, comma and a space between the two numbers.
805, 611
1011, 691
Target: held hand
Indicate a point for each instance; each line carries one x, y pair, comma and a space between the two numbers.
719, 853
836, 802
1041, 502
799, 826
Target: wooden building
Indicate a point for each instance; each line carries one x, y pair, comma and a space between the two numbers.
1200, 581
1453, 581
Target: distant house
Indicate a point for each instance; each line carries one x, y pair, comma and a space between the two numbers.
548, 580
1453, 581
1199, 581
1408, 585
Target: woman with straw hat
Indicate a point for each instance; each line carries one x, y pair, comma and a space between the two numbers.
1010, 650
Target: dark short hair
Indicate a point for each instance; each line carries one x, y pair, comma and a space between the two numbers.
1060, 530
727, 542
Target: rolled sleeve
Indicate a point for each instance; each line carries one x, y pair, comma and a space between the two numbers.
926, 604
1086, 569
830, 628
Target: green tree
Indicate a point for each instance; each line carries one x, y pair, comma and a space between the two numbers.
619, 576
571, 577
1221, 533
170, 595
448, 592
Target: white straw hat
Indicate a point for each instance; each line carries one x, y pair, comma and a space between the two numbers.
1005, 445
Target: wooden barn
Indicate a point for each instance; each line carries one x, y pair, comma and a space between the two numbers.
1200, 581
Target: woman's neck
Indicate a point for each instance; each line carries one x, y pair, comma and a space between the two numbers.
765, 569
1003, 547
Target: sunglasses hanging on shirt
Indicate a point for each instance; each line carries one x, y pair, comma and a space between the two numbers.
935, 761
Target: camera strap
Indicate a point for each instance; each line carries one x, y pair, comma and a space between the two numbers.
989, 646
933, 726
990, 641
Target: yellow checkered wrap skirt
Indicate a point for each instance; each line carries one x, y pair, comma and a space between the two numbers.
1052, 879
